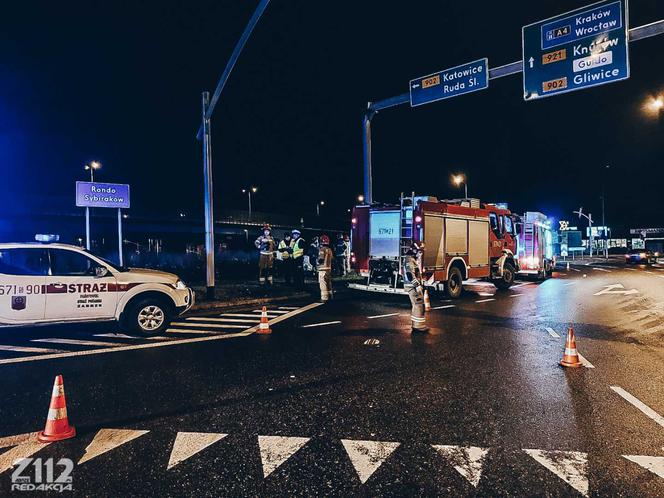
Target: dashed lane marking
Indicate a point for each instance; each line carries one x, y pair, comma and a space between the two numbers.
275, 450
552, 332
187, 444
584, 361
485, 294
468, 460
320, 324
78, 342
176, 342
368, 456
575, 269
25, 349
521, 284
107, 440
601, 269
382, 316
516, 295
484, 300
222, 320
445, 306
645, 409
654, 464
570, 283
570, 466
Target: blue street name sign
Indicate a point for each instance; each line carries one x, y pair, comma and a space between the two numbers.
582, 48
458, 80
103, 195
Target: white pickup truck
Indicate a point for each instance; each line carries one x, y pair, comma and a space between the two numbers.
59, 283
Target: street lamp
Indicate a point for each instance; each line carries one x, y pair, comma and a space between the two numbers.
249, 191
655, 107
318, 205
458, 180
360, 198
92, 166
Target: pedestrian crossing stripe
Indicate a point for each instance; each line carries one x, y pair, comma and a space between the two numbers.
208, 325
223, 320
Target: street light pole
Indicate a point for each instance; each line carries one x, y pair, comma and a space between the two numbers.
92, 166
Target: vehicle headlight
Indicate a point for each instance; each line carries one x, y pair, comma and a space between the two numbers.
180, 285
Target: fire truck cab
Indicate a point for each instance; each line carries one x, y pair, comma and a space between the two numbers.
462, 239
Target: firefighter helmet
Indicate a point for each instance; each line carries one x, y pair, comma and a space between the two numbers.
325, 240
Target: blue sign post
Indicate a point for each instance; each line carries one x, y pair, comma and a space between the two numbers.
582, 48
458, 80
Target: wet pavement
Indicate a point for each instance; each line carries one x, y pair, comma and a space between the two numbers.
341, 400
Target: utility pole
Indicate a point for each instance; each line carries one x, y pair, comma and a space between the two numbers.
589, 217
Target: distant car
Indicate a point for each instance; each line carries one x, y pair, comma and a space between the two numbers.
641, 256
59, 283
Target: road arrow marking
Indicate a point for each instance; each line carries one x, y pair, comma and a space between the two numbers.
187, 444
570, 466
23, 450
467, 460
530, 62
584, 361
654, 464
368, 456
649, 412
107, 440
275, 450
613, 289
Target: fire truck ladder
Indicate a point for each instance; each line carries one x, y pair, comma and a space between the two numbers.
405, 229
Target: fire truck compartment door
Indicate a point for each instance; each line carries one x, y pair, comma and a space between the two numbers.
384, 234
478, 252
433, 242
456, 236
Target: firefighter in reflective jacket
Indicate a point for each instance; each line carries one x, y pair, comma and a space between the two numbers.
265, 243
413, 284
325, 269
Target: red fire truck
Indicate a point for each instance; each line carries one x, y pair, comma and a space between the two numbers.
462, 238
535, 245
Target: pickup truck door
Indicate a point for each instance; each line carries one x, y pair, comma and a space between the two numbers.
74, 289
22, 279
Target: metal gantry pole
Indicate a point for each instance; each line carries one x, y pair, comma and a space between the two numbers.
208, 199
635, 34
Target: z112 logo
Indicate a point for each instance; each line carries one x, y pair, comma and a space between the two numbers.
43, 477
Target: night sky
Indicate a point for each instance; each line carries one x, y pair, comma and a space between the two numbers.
120, 82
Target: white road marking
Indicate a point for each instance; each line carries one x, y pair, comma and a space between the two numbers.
570, 466
368, 456
485, 294
208, 325
382, 316
119, 336
107, 440
516, 295
654, 464
647, 411
275, 450
601, 269
290, 308
275, 312
23, 450
17, 439
615, 289
445, 306
223, 320
177, 342
187, 444
199, 332
25, 349
552, 332
484, 300
576, 269
521, 285
320, 324
570, 283
245, 315
467, 461
584, 361
57, 340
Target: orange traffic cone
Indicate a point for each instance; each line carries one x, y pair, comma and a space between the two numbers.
264, 326
570, 356
427, 301
57, 424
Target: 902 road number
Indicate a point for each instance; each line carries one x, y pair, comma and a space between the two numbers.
557, 84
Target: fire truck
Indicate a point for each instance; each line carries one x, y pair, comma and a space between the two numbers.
463, 239
535, 245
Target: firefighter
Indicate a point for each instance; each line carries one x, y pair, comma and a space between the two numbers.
297, 246
413, 283
347, 242
340, 255
285, 251
325, 269
265, 244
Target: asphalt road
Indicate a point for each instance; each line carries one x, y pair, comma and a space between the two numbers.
341, 400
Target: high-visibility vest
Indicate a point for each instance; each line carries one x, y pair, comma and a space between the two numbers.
283, 249
298, 248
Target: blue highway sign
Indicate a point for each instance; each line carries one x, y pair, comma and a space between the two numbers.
582, 48
458, 80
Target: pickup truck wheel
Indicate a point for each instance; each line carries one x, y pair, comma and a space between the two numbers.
149, 316
508, 277
454, 284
